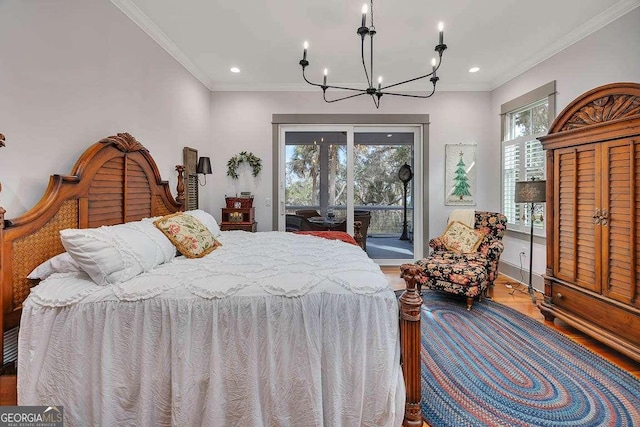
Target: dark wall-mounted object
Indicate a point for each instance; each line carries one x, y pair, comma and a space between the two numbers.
190, 160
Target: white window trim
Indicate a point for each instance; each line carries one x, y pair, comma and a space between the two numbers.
522, 102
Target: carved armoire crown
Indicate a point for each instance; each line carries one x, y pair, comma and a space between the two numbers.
593, 211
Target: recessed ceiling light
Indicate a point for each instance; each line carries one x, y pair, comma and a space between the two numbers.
389, 135
235, 70
474, 69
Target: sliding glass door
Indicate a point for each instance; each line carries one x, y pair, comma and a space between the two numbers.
335, 175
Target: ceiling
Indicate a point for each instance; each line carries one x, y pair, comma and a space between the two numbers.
264, 38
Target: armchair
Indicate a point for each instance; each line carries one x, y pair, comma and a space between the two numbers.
467, 274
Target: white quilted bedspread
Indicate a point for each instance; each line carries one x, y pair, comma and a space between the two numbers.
271, 329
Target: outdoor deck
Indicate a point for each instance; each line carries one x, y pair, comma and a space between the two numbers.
386, 247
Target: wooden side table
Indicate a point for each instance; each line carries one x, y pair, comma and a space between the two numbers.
238, 219
251, 226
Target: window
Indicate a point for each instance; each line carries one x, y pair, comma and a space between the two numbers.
523, 121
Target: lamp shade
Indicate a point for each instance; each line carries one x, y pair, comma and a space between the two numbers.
531, 191
204, 166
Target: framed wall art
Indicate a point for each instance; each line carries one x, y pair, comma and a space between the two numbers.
460, 174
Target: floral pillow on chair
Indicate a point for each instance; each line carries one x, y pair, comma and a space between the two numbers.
461, 238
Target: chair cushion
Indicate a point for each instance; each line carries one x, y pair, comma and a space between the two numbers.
461, 238
462, 269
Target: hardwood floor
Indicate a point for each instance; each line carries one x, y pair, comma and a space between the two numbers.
504, 293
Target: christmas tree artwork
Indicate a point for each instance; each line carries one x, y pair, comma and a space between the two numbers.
461, 187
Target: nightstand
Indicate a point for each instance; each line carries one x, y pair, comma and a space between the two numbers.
238, 219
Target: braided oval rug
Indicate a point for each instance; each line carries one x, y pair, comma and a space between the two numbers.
493, 366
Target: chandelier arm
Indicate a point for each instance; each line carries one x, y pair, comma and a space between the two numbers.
411, 96
304, 76
364, 65
325, 87
415, 78
324, 95
345, 88
371, 50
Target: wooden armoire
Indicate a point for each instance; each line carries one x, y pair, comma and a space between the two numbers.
592, 279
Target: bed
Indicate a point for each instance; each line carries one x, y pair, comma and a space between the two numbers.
268, 329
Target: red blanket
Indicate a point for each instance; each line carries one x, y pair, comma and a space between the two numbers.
331, 235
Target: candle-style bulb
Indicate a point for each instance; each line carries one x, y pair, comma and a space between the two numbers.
305, 46
364, 15
433, 66
324, 82
379, 82
441, 30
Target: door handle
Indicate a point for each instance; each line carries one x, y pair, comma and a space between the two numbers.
596, 217
604, 217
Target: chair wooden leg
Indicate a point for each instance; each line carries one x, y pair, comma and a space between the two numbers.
469, 303
488, 292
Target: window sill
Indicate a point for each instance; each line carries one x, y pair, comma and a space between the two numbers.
525, 235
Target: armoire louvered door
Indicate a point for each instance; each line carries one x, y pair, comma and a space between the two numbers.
577, 200
620, 227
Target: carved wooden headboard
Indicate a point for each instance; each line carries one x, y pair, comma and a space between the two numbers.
114, 181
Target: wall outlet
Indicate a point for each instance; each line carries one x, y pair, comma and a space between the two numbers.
523, 251
267, 202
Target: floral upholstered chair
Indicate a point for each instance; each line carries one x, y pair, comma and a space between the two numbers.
467, 274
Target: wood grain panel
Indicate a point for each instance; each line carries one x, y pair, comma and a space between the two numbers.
586, 230
564, 262
616, 233
105, 194
137, 193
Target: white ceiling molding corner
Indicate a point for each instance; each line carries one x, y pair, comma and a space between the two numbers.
618, 10
148, 26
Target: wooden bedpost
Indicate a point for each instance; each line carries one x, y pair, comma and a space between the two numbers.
410, 307
357, 235
180, 187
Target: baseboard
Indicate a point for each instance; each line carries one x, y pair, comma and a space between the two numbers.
513, 272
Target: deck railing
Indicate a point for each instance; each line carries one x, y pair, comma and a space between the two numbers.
385, 220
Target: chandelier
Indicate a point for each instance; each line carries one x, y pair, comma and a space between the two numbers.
375, 93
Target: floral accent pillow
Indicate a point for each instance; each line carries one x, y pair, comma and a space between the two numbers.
461, 238
188, 234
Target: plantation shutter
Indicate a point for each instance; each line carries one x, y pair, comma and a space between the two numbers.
534, 155
511, 161
190, 161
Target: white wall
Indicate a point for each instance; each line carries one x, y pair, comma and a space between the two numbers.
75, 71
242, 121
609, 55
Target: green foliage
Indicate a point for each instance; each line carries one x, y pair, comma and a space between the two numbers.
375, 181
253, 160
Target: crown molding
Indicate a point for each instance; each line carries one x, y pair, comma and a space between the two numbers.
150, 28
134, 13
303, 87
614, 12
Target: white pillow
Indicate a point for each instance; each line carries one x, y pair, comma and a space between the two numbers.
62, 263
207, 219
117, 253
